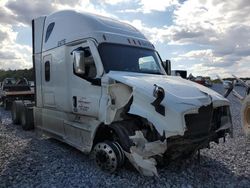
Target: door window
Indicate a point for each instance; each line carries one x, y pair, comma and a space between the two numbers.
49, 30
47, 71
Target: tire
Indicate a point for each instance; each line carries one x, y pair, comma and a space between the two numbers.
108, 156
5, 104
245, 116
16, 111
26, 118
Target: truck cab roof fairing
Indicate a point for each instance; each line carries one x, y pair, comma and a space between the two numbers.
68, 29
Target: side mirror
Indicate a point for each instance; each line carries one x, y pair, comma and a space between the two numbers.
78, 63
167, 66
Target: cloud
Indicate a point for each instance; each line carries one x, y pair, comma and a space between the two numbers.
22, 12
6, 16
18, 56
222, 28
115, 2
156, 5
7, 55
200, 70
25, 11
67, 2
153, 34
3, 36
13, 55
198, 54
147, 6
83, 6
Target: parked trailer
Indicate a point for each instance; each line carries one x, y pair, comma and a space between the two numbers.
12, 89
101, 87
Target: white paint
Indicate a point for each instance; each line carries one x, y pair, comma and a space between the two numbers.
39, 23
82, 26
181, 97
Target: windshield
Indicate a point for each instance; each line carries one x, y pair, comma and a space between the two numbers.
117, 57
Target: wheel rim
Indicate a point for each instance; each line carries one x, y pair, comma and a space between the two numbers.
105, 157
119, 151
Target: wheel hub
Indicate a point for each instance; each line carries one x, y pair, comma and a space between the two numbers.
108, 155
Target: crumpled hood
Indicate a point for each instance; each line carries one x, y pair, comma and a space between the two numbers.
177, 90
181, 97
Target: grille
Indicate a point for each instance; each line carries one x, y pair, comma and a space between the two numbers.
218, 113
199, 124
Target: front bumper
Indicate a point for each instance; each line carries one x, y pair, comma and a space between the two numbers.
207, 121
209, 125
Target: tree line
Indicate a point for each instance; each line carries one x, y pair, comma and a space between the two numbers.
27, 73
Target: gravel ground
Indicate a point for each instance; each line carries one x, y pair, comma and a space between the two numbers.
30, 161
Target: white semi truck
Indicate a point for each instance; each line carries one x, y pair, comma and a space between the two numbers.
102, 87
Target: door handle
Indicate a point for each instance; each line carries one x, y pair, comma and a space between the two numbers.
74, 101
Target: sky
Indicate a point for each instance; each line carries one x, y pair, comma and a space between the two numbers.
204, 37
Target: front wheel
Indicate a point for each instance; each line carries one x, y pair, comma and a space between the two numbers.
108, 155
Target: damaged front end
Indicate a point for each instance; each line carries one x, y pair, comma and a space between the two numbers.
163, 119
142, 154
208, 125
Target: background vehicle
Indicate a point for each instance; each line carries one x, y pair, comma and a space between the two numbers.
205, 81
101, 87
200, 80
208, 82
227, 84
15, 89
181, 73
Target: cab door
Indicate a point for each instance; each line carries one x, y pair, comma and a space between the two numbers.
84, 83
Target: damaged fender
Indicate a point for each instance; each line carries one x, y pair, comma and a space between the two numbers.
141, 154
171, 104
117, 96
181, 97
